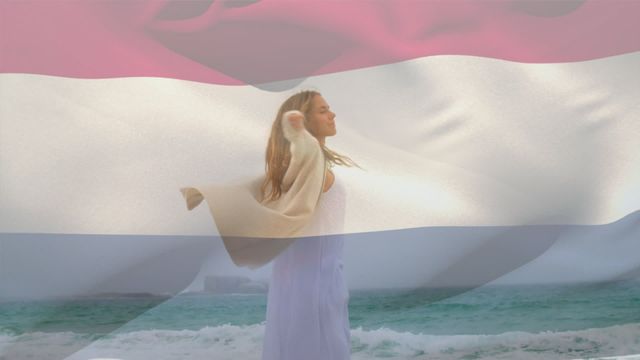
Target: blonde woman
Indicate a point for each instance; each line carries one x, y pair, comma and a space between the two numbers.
307, 305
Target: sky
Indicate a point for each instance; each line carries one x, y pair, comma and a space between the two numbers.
46, 265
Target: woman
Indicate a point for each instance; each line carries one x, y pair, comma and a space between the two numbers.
307, 304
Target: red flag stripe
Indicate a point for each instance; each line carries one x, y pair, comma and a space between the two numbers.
238, 43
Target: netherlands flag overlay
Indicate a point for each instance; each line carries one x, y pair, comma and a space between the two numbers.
495, 216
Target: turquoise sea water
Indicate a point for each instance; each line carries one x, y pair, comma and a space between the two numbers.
507, 322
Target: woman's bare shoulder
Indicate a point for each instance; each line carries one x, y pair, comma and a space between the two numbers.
329, 181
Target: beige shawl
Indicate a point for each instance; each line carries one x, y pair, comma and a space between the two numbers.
255, 231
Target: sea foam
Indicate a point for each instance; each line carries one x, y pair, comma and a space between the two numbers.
227, 342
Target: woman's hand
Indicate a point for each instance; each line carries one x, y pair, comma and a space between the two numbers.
292, 125
296, 120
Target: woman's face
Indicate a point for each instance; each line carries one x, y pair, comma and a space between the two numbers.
321, 120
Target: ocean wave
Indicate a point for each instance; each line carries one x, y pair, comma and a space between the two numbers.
245, 342
588, 343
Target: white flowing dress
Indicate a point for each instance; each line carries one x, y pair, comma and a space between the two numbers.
307, 304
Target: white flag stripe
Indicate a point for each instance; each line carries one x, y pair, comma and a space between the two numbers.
446, 141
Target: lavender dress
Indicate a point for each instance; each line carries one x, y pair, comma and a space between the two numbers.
307, 304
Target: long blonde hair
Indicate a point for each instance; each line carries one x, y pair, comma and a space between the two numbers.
278, 154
